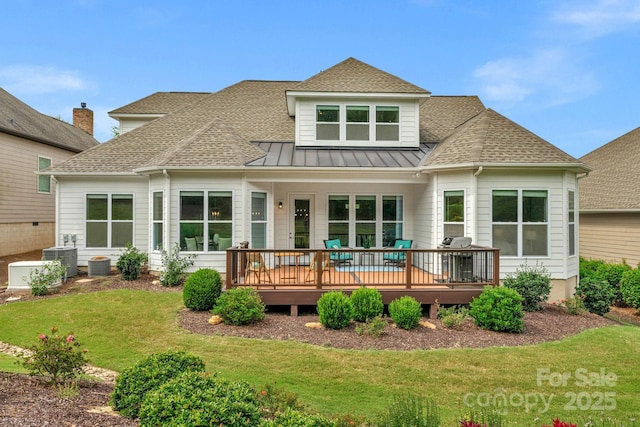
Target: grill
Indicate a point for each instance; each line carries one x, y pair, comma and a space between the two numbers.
458, 265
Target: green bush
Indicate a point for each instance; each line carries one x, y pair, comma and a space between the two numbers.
613, 274
367, 304
335, 310
498, 309
532, 283
41, 279
200, 399
239, 306
411, 411
630, 288
596, 293
202, 289
148, 374
374, 327
55, 356
590, 267
453, 317
295, 418
406, 312
130, 262
174, 266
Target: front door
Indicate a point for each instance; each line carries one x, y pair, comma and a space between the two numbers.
301, 221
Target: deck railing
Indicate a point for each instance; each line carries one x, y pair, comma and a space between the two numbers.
346, 267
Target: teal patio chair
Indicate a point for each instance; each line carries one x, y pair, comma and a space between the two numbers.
398, 258
338, 257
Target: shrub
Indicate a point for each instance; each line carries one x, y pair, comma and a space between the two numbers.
239, 306
335, 310
374, 327
197, 398
613, 273
574, 305
630, 288
174, 266
453, 317
498, 309
41, 279
532, 283
590, 267
406, 312
202, 289
367, 304
55, 356
596, 294
130, 262
295, 418
134, 383
411, 411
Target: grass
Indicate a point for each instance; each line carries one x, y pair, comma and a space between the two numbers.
121, 326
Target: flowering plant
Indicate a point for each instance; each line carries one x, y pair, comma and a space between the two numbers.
574, 305
174, 266
55, 356
558, 423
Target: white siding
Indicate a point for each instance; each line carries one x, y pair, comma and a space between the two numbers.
409, 122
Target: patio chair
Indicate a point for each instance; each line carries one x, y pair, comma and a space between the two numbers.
398, 258
255, 264
325, 266
338, 257
191, 243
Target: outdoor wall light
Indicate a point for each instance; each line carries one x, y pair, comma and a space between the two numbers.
279, 205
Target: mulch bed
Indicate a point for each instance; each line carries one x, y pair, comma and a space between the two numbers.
26, 401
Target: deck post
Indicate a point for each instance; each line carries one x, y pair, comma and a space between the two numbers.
408, 263
433, 311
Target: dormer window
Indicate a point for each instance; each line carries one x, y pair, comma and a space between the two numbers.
328, 122
357, 123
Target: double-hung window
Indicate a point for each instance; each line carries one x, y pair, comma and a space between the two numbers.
387, 123
158, 223
520, 222
258, 220
365, 221
453, 213
206, 220
44, 181
328, 122
571, 220
392, 219
357, 123
339, 219
109, 220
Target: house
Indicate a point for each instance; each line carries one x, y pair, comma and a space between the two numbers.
610, 203
31, 141
352, 153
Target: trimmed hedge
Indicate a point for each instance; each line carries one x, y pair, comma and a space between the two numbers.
202, 289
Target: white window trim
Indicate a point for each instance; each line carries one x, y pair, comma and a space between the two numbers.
109, 219
520, 223
154, 221
464, 210
205, 219
266, 215
40, 176
569, 223
342, 122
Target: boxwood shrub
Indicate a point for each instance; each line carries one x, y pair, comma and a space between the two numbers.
367, 304
406, 312
335, 310
498, 309
596, 293
148, 374
202, 289
240, 306
200, 399
532, 283
630, 288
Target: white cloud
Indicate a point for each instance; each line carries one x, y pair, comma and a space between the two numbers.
30, 79
601, 17
546, 77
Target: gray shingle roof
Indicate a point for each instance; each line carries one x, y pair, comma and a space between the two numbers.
17, 118
160, 103
247, 124
352, 75
491, 138
613, 182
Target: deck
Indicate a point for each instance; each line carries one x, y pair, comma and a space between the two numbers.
298, 277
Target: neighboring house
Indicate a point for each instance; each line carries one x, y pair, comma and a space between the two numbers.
610, 202
352, 153
31, 141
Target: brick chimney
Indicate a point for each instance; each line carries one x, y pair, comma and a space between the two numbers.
83, 118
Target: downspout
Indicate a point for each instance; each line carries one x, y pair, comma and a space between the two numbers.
475, 203
57, 212
165, 211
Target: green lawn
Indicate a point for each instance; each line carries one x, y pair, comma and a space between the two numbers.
121, 326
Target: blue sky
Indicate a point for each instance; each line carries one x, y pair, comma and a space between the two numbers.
566, 70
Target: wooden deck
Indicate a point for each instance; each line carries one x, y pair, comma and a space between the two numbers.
293, 278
